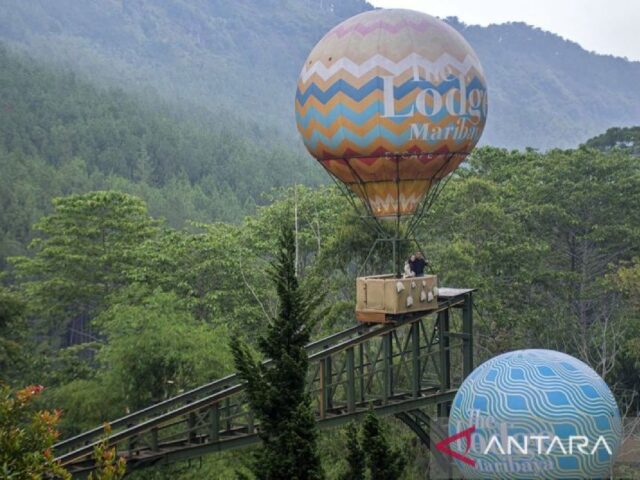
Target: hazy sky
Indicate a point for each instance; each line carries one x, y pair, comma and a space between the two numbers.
604, 26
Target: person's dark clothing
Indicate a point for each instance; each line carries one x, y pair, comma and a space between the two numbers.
417, 266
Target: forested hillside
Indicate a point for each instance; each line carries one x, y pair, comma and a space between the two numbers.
61, 135
546, 92
245, 56
239, 56
553, 254
625, 139
149, 164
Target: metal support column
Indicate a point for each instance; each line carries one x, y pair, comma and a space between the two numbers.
214, 423
328, 371
415, 360
445, 358
154, 440
387, 366
322, 391
250, 422
227, 407
361, 371
351, 381
191, 426
467, 340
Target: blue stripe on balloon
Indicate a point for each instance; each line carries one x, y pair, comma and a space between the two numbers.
328, 119
340, 86
362, 141
376, 83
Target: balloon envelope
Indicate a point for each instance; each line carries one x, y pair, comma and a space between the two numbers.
533, 393
390, 102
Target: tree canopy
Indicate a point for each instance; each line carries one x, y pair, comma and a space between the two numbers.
549, 239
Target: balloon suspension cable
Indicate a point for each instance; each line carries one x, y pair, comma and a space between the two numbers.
366, 260
363, 207
396, 237
426, 205
430, 198
369, 221
375, 228
365, 199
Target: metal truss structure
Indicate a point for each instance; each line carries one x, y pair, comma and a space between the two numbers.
408, 368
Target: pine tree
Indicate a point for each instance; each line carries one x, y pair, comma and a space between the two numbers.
15, 356
277, 393
355, 455
384, 462
82, 251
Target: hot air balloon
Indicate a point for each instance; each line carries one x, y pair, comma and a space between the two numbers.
390, 102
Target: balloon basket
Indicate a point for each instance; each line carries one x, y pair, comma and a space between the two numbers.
381, 297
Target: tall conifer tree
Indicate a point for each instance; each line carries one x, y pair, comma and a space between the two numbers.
356, 466
384, 462
277, 392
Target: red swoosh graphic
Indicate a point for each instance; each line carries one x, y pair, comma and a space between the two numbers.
466, 434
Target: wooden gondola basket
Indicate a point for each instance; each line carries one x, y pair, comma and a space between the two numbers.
380, 297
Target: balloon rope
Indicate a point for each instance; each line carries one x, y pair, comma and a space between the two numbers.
357, 206
430, 196
365, 197
396, 238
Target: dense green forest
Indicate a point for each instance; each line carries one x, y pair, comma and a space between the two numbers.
545, 91
236, 56
625, 139
61, 135
551, 241
140, 215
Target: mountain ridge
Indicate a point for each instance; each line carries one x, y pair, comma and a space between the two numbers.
244, 57
571, 74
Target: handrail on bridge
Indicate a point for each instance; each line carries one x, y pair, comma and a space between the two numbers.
193, 407
188, 395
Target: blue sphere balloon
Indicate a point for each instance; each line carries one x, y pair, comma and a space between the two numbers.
532, 414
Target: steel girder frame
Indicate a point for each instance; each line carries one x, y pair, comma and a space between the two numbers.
392, 368
187, 453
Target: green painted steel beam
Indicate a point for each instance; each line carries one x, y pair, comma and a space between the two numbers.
216, 422
195, 451
416, 371
467, 340
207, 389
351, 381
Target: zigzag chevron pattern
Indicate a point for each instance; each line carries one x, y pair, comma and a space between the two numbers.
343, 30
376, 85
393, 85
536, 392
437, 69
312, 115
368, 179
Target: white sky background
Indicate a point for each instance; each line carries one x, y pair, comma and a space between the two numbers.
604, 26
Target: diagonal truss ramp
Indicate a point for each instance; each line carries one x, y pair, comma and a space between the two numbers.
416, 362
